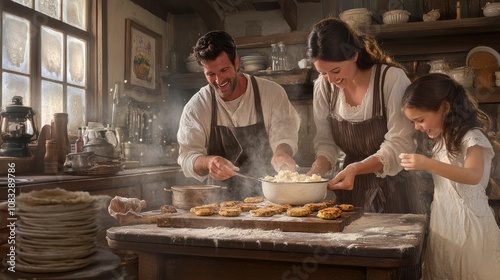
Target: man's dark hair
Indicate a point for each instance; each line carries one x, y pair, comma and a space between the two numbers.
212, 44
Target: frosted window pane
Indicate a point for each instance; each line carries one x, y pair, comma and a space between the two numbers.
52, 101
15, 85
27, 3
52, 8
75, 109
52, 54
76, 61
75, 13
15, 49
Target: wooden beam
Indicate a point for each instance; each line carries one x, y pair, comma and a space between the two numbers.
289, 9
208, 13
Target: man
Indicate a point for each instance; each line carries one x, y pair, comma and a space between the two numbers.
235, 123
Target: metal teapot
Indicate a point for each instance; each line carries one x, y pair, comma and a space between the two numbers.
101, 148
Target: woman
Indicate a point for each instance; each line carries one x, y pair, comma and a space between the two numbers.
357, 109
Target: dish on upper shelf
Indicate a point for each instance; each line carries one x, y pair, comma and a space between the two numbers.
481, 57
484, 60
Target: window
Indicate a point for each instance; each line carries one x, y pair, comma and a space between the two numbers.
46, 51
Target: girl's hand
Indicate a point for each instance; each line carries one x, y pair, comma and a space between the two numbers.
344, 179
320, 166
413, 161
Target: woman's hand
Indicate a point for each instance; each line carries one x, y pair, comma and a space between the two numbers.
344, 179
413, 161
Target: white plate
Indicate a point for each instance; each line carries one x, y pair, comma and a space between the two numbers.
51, 208
483, 49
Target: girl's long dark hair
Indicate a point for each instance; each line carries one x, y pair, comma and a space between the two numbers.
333, 40
428, 93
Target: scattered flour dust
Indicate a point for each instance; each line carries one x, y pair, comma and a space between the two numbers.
225, 232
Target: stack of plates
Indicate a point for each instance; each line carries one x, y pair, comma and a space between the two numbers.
254, 62
57, 236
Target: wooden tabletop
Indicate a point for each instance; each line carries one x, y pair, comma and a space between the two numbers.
393, 239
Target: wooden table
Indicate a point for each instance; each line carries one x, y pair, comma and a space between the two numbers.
376, 246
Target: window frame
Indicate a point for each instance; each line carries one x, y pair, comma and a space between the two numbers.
95, 36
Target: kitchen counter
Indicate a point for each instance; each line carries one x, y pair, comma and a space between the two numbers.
145, 183
376, 246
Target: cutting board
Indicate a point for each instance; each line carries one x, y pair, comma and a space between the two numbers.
281, 222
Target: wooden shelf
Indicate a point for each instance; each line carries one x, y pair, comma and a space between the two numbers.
388, 31
285, 77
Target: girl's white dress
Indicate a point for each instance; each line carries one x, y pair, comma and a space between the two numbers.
464, 239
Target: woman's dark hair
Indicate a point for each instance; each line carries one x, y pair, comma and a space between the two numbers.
334, 40
428, 93
211, 45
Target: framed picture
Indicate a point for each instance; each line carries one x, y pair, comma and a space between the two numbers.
142, 58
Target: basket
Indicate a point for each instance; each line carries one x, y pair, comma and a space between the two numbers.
396, 16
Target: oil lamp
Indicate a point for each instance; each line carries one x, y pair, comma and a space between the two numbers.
18, 129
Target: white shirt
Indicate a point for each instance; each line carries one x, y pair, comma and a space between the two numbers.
280, 118
399, 137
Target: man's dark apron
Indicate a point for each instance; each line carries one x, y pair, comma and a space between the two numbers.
359, 140
246, 147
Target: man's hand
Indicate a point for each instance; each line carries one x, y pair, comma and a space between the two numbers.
220, 168
282, 159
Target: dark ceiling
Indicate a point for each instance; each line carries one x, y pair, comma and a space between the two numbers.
211, 8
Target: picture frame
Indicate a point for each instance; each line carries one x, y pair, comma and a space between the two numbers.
142, 58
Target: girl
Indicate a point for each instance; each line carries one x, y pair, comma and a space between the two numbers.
464, 239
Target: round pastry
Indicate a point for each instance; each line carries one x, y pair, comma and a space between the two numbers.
298, 212
245, 207
168, 209
230, 211
315, 206
329, 213
229, 203
346, 207
207, 206
202, 211
253, 199
279, 207
329, 203
263, 212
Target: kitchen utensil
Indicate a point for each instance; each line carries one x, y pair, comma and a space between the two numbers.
439, 66
185, 197
295, 193
246, 177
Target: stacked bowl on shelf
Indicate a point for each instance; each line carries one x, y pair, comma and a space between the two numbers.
254, 62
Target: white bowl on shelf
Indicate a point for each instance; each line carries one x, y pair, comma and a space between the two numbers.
395, 16
254, 67
491, 9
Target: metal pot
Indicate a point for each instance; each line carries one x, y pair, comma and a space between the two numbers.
295, 193
185, 197
100, 147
